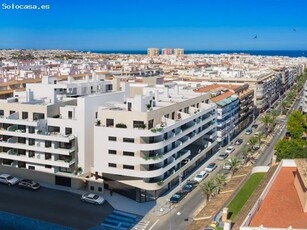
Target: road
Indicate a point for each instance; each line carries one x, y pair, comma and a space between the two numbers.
59, 207
182, 214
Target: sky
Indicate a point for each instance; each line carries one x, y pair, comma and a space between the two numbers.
139, 24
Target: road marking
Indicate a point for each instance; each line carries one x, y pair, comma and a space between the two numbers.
154, 224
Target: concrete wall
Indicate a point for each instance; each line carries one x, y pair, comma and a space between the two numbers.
301, 190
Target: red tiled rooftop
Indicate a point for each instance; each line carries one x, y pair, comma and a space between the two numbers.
222, 96
281, 207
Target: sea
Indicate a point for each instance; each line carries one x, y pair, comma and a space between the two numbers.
288, 53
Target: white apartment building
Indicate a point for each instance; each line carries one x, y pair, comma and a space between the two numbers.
303, 103
145, 145
49, 127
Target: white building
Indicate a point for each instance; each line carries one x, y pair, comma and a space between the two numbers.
144, 146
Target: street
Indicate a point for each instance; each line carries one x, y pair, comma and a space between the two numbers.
59, 207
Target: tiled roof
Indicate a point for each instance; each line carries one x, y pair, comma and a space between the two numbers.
222, 96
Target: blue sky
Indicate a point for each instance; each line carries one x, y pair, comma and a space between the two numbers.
138, 24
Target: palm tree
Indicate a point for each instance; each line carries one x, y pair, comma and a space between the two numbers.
253, 141
246, 154
208, 188
275, 113
235, 164
220, 180
283, 104
259, 137
267, 122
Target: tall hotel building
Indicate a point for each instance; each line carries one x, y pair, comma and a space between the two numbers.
167, 51
151, 52
179, 52
145, 145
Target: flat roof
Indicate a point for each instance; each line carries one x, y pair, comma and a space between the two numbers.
281, 207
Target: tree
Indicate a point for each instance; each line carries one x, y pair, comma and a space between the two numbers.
208, 188
246, 154
289, 149
275, 113
252, 142
295, 124
267, 121
284, 104
220, 180
235, 164
259, 138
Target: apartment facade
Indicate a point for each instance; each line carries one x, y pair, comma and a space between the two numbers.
49, 127
178, 52
150, 143
152, 52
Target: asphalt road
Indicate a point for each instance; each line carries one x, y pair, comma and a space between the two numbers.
59, 207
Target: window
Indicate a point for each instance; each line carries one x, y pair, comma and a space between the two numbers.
150, 124
1, 112
112, 165
69, 114
24, 115
111, 151
112, 138
138, 124
47, 156
31, 153
47, 144
110, 122
99, 189
38, 116
48, 166
129, 106
68, 131
31, 167
131, 167
131, 154
92, 188
130, 140
12, 111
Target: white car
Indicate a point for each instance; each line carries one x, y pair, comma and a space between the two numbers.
201, 176
92, 198
230, 149
8, 179
227, 166
211, 167
222, 156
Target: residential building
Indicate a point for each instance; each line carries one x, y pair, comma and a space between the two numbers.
152, 52
303, 103
167, 51
148, 143
49, 127
178, 52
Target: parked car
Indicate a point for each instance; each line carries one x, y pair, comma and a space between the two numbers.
92, 198
239, 141
201, 176
227, 165
211, 167
254, 126
257, 133
230, 149
178, 196
8, 179
223, 156
29, 184
188, 187
248, 131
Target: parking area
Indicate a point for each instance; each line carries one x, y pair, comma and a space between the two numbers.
59, 207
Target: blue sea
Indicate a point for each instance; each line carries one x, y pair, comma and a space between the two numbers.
289, 53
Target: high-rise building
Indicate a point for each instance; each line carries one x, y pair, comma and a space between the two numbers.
179, 52
151, 52
167, 51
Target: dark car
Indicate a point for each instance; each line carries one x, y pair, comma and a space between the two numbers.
29, 184
178, 196
188, 188
238, 141
254, 126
